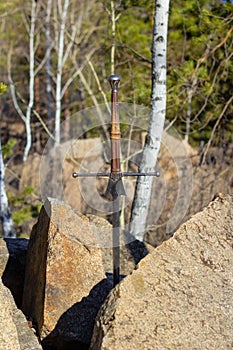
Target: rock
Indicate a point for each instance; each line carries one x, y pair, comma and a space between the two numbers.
130, 253
14, 331
13, 276
61, 163
74, 328
91, 148
181, 295
176, 198
30, 173
64, 265
83, 156
3, 255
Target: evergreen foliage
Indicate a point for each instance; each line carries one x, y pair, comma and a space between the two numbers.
199, 41
25, 208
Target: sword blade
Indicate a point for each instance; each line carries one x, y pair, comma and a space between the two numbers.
115, 183
116, 241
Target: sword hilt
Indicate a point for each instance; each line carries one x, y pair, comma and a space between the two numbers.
115, 134
114, 81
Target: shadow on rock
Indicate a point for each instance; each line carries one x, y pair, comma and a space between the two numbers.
137, 249
75, 327
14, 273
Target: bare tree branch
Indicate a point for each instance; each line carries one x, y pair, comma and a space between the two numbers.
210, 53
99, 86
12, 88
90, 92
214, 129
44, 125
77, 72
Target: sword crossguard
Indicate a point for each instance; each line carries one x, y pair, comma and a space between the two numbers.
123, 174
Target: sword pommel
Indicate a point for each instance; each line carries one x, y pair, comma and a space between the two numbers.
114, 81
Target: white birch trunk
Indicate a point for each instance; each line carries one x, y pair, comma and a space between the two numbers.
5, 214
48, 63
59, 72
26, 117
158, 112
31, 81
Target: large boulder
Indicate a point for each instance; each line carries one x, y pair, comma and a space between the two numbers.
14, 331
3, 255
181, 295
64, 264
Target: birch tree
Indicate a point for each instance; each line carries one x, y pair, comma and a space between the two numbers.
26, 117
48, 62
157, 118
5, 213
59, 71
69, 38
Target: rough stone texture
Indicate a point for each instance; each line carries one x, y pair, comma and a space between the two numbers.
181, 295
30, 173
14, 331
13, 276
206, 181
80, 156
83, 148
74, 328
130, 253
63, 266
3, 255
71, 154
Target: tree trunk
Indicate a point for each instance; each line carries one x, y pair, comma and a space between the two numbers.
59, 73
31, 81
5, 214
48, 65
26, 117
158, 111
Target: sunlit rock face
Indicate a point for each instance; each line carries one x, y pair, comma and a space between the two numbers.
180, 296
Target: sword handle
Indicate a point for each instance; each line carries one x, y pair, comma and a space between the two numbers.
115, 134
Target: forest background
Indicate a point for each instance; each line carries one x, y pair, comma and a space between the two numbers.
56, 57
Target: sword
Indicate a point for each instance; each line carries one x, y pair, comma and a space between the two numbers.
115, 184
115, 187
